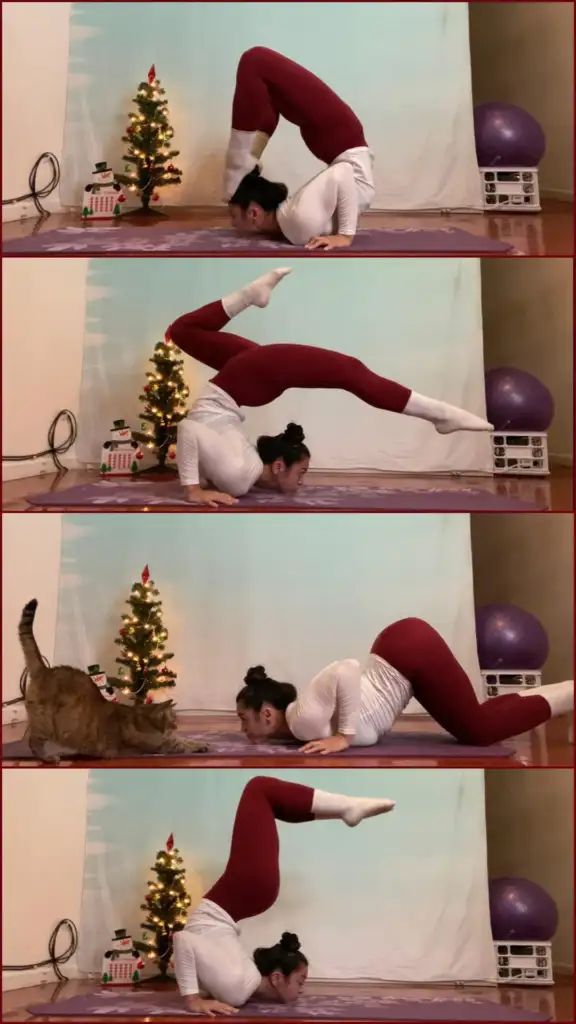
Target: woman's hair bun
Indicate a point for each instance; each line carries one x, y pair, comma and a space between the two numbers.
293, 434
254, 173
255, 675
289, 942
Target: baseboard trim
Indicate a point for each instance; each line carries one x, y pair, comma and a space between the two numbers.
26, 210
12, 980
566, 461
14, 713
564, 970
39, 467
562, 195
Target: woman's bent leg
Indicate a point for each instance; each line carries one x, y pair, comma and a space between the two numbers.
440, 684
251, 879
198, 333
270, 86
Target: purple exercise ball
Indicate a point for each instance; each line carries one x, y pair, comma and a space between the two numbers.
521, 911
516, 400
510, 639
507, 136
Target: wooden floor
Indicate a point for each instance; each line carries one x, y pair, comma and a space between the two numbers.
554, 493
556, 1003
550, 233
547, 746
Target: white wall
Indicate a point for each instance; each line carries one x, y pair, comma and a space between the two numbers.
35, 67
43, 842
30, 568
43, 319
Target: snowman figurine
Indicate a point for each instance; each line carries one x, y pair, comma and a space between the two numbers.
103, 197
121, 964
121, 454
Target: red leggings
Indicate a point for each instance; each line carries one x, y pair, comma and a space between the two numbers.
441, 685
269, 86
254, 375
251, 880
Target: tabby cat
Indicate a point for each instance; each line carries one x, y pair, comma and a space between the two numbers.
66, 707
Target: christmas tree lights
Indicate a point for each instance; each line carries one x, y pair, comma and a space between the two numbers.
142, 641
166, 906
149, 137
164, 399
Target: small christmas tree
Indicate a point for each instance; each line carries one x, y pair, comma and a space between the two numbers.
149, 136
166, 907
164, 402
143, 642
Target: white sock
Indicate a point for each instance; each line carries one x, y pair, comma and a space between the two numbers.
446, 418
242, 156
257, 293
560, 696
351, 809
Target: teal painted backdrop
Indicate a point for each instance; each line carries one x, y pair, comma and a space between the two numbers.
403, 67
417, 321
291, 592
400, 896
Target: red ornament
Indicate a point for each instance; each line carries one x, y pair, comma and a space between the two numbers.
171, 167
129, 131
151, 75
155, 197
146, 387
148, 700
122, 631
121, 199
170, 842
139, 455
145, 575
115, 700
148, 898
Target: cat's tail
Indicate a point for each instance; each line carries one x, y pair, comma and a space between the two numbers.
28, 643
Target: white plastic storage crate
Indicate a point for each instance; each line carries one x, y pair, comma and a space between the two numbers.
520, 453
496, 683
510, 188
524, 963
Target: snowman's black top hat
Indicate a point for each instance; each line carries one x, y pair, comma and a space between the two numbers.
101, 167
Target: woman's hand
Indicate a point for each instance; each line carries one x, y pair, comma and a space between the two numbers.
208, 1007
330, 242
333, 745
205, 497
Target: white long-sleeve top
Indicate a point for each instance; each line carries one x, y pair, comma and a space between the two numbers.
331, 202
209, 958
212, 447
344, 698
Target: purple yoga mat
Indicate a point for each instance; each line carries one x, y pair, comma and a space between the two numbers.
144, 494
234, 745
125, 240
141, 1004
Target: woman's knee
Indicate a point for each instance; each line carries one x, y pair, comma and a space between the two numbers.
253, 58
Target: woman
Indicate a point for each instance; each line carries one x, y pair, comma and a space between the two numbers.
346, 705
211, 445
214, 973
324, 213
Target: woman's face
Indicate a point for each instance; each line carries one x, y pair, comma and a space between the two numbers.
290, 478
258, 725
247, 222
290, 988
